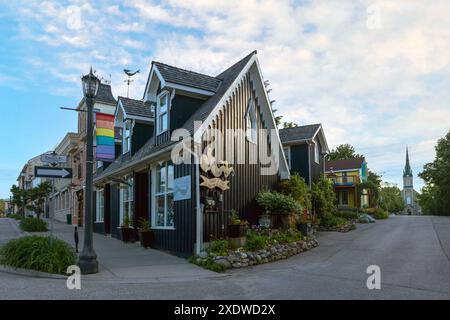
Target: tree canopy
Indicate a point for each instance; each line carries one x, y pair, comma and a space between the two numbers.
391, 199
435, 197
289, 124
343, 151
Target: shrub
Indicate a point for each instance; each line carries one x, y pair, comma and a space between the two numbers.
380, 214
14, 216
256, 242
277, 203
219, 247
286, 237
33, 225
208, 263
44, 254
323, 198
333, 221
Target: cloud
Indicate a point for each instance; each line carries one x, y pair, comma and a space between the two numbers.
378, 88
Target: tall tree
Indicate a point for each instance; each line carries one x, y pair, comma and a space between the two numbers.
2, 206
20, 198
391, 199
343, 151
38, 195
436, 175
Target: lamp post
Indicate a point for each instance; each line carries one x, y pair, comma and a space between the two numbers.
88, 259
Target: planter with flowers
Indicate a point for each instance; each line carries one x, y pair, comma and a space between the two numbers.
281, 207
126, 230
146, 235
237, 230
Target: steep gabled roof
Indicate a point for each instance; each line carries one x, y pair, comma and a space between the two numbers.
187, 78
104, 94
299, 133
227, 78
134, 107
345, 164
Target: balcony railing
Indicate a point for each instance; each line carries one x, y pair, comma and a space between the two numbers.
345, 181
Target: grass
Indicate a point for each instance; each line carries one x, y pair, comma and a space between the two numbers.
33, 225
44, 254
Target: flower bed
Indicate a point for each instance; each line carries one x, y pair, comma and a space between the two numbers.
241, 258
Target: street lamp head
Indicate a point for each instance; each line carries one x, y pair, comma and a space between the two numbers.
90, 84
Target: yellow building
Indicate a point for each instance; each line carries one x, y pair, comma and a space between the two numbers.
346, 174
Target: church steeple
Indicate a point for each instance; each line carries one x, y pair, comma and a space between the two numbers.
407, 172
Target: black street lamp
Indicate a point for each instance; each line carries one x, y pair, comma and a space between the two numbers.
88, 258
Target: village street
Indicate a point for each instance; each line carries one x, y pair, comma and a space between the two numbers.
412, 253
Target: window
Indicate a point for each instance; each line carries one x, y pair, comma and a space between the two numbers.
100, 206
317, 152
127, 199
251, 123
344, 198
287, 154
162, 108
127, 137
163, 213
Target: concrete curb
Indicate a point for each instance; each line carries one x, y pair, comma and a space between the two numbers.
31, 273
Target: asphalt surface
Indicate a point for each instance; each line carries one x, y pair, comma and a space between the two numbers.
412, 253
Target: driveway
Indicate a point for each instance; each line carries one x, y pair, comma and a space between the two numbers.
412, 253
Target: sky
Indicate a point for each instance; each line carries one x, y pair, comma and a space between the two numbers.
376, 74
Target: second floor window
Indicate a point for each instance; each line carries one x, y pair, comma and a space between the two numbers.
317, 152
127, 137
162, 110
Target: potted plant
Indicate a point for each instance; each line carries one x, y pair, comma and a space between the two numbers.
304, 223
126, 230
280, 206
146, 235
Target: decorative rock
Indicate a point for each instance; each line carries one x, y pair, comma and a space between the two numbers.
258, 258
224, 262
236, 265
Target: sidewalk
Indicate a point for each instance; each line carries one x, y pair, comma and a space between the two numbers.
130, 263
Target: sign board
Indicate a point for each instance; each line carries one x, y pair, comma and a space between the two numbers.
182, 188
53, 158
49, 172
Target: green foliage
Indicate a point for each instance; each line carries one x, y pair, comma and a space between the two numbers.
219, 247
296, 187
277, 203
349, 215
33, 225
377, 213
289, 124
20, 198
37, 197
284, 237
38, 253
207, 263
323, 198
2, 207
333, 221
391, 199
256, 241
14, 216
436, 174
343, 151
144, 225
126, 221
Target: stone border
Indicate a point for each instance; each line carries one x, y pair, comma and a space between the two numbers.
242, 259
345, 228
32, 273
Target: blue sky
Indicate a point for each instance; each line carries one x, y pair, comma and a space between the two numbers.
375, 73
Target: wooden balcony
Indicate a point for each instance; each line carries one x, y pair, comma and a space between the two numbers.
343, 181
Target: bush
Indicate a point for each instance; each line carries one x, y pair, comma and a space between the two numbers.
256, 241
44, 254
33, 225
380, 214
330, 221
277, 203
286, 237
323, 198
349, 215
297, 189
219, 247
14, 216
208, 263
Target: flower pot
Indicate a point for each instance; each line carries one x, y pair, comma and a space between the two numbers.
147, 239
264, 220
237, 230
126, 234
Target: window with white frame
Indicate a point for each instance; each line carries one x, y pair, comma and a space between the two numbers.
100, 206
287, 154
316, 152
127, 136
162, 110
163, 212
251, 123
127, 199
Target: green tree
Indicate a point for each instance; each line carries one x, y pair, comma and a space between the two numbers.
391, 199
296, 187
20, 198
38, 195
343, 151
290, 124
436, 175
2, 206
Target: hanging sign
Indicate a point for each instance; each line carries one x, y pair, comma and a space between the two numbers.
105, 137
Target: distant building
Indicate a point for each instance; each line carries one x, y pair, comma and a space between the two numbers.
408, 193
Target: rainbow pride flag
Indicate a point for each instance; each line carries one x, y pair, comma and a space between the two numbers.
105, 137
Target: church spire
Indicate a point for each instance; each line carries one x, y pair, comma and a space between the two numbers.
407, 172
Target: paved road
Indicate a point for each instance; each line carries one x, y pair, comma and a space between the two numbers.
412, 252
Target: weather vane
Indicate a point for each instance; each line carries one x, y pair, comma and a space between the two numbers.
129, 81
